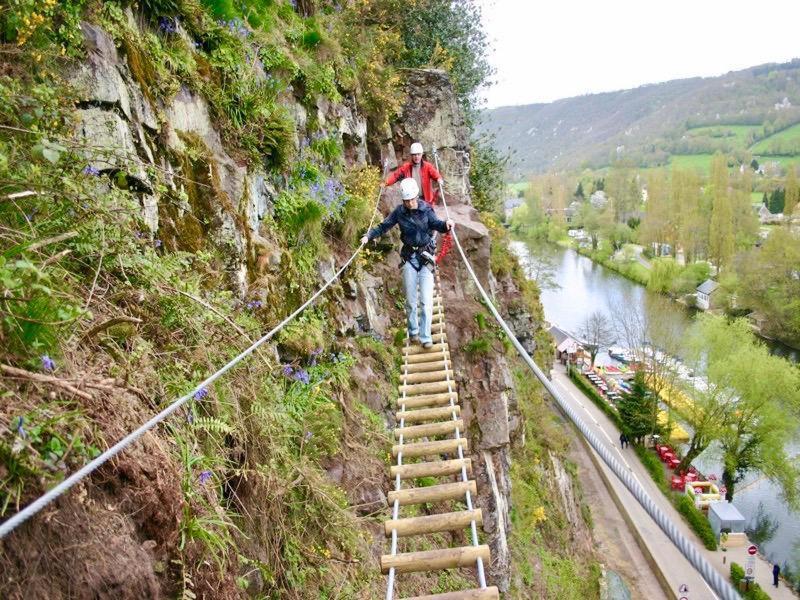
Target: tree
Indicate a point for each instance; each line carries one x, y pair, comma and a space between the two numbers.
754, 164
637, 409
487, 175
579, 191
768, 282
448, 34
596, 332
757, 408
720, 231
644, 330
777, 201
792, 192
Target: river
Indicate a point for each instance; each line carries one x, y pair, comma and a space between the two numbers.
585, 287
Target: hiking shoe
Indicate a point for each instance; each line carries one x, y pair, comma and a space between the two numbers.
427, 345
414, 339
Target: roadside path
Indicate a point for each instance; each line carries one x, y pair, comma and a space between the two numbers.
676, 569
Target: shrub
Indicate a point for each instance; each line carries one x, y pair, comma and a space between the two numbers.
697, 521
653, 465
737, 573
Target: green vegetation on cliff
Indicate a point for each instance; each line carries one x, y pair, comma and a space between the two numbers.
173, 182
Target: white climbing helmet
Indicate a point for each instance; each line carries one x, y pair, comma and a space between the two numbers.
416, 148
409, 189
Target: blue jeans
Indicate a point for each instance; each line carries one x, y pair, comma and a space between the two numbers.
424, 279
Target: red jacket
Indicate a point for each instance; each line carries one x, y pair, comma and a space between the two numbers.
428, 174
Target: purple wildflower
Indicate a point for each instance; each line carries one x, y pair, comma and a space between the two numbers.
167, 24
254, 304
200, 394
288, 370
190, 418
308, 435
302, 375
138, 235
157, 243
20, 430
91, 170
47, 363
204, 477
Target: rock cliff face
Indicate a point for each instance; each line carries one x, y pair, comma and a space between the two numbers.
213, 198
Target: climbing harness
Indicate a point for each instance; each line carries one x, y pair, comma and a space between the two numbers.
714, 579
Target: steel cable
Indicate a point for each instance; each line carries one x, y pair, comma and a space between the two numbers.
37, 505
687, 548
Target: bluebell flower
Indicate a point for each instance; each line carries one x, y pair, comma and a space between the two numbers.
200, 394
287, 370
47, 363
167, 24
302, 375
157, 243
91, 170
20, 430
308, 435
254, 304
204, 477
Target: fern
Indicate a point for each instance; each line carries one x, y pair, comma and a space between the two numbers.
213, 425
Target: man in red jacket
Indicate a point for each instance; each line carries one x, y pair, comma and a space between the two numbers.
423, 172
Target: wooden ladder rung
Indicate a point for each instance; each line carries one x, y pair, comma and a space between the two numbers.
417, 349
435, 560
490, 593
428, 429
427, 400
427, 376
433, 468
413, 359
426, 367
451, 521
427, 414
430, 448
433, 387
433, 493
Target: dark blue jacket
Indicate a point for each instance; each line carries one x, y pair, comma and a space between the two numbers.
415, 227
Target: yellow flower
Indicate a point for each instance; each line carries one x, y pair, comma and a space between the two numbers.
538, 515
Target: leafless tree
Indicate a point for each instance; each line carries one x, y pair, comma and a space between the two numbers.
654, 336
596, 332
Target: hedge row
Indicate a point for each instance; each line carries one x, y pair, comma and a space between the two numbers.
587, 388
697, 520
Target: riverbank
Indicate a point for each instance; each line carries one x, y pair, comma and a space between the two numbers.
686, 278
582, 285
675, 568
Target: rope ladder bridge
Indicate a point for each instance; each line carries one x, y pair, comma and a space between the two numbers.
428, 408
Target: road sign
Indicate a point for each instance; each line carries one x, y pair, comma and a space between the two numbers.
750, 567
752, 549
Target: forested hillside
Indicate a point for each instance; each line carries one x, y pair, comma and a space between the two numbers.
737, 113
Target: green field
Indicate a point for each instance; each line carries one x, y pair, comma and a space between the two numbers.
784, 161
737, 133
514, 188
791, 134
701, 162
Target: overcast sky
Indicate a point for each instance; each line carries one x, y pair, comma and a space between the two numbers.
544, 50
